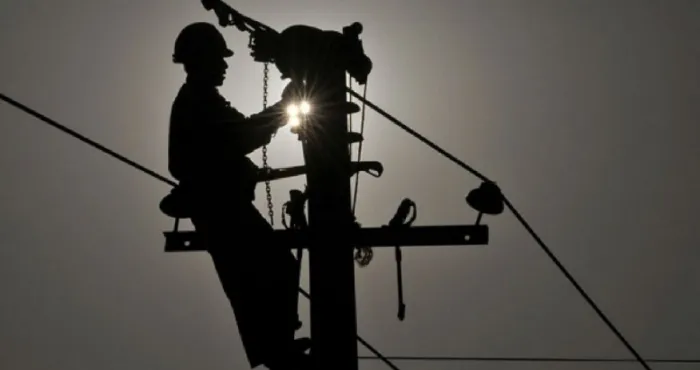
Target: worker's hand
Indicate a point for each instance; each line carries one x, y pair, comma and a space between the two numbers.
279, 117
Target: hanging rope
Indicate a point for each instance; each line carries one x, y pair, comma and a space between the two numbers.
86, 140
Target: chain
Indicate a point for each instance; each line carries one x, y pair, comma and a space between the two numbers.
266, 166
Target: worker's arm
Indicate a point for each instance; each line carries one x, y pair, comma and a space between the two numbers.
241, 135
256, 130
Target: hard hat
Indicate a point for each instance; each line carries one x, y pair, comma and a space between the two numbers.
200, 40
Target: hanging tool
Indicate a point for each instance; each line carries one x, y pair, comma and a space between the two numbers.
404, 217
295, 208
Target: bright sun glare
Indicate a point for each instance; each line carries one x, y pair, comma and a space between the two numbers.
305, 107
293, 111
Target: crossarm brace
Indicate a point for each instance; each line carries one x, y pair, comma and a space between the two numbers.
187, 241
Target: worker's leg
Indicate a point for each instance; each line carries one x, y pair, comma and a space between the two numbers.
279, 283
234, 272
259, 283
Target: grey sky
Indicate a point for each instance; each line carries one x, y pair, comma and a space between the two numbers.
586, 113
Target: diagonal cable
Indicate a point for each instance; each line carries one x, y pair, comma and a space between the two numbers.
154, 174
446, 154
517, 215
84, 139
530, 359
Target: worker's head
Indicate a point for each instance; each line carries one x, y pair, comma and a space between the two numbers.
201, 48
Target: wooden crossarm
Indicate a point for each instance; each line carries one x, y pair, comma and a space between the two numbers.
415, 236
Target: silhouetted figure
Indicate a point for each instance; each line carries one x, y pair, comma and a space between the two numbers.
208, 146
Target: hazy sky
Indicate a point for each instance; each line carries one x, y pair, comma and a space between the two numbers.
586, 112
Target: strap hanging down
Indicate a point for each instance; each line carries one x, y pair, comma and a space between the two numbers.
404, 217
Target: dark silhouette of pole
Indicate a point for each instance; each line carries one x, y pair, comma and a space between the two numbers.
331, 260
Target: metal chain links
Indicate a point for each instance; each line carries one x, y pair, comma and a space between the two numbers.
266, 166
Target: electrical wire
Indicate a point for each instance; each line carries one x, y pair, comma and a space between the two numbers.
412, 132
510, 206
153, 174
446, 154
520, 218
86, 140
366, 344
529, 359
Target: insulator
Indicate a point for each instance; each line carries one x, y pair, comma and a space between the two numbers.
487, 198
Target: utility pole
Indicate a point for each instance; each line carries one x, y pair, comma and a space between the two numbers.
317, 61
333, 233
331, 261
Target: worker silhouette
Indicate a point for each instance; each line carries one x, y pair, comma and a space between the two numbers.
208, 146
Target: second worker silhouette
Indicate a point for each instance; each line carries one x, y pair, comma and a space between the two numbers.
208, 146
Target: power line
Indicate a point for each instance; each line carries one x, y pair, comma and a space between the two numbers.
378, 355
517, 215
154, 174
84, 139
420, 137
528, 359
